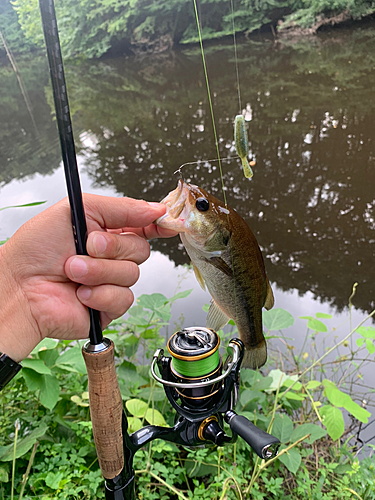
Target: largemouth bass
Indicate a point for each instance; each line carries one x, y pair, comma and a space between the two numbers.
227, 259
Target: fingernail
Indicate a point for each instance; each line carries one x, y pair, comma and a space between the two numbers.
153, 204
84, 293
78, 267
100, 243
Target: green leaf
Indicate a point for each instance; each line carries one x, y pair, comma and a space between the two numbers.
314, 324
78, 401
152, 301
334, 395
323, 315
277, 319
23, 445
140, 321
50, 392
150, 333
49, 356
37, 365
360, 341
45, 344
357, 411
370, 346
35, 203
134, 424
53, 479
48, 385
181, 295
261, 383
164, 312
291, 459
366, 331
136, 311
34, 380
248, 395
282, 427
314, 430
333, 420
128, 373
155, 394
248, 376
136, 407
4, 476
278, 378
154, 417
131, 345
72, 360
291, 381
312, 384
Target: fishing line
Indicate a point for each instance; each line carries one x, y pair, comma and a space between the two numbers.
228, 158
216, 142
210, 100
236, 58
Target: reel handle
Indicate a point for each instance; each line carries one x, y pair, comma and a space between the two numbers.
264, 445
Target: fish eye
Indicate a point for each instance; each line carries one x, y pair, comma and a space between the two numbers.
202, 204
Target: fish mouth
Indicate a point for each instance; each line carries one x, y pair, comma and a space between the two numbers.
175, 202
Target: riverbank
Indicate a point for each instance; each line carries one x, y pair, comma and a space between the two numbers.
135, 28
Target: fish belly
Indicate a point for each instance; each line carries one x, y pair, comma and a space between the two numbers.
239, 301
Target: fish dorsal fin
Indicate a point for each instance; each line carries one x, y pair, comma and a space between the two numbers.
220, 264
199, 277
269, 302
216, 319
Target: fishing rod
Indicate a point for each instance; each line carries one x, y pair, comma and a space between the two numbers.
199, 385
106, 409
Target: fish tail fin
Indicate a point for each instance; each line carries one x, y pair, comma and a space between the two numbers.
255, 357
247, 170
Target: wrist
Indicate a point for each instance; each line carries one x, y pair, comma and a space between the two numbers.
17, 333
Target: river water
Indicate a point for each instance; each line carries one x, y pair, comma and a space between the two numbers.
310, 109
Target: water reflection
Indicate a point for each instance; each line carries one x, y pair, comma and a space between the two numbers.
312, 108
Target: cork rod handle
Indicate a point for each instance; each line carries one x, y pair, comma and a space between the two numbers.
106, 410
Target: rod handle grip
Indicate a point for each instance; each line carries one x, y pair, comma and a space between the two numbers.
265, 445
106, 408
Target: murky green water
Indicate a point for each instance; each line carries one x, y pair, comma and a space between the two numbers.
311, 115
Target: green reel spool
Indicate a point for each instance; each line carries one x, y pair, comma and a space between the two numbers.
195, 358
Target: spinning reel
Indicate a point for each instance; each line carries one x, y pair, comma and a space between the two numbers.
203, 390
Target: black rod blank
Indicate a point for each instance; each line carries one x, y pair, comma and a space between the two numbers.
47, 10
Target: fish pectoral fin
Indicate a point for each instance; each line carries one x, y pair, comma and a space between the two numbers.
270, 300
216, 319
226, 236
220, 264
199, 277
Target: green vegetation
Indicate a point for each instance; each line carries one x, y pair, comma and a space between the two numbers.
11, 30
47, 447
90, 29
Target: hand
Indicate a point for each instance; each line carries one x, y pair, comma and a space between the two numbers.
46, 288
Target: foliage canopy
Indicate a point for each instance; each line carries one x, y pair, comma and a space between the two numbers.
92, 28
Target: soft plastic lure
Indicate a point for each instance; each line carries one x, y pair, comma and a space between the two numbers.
242, 144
